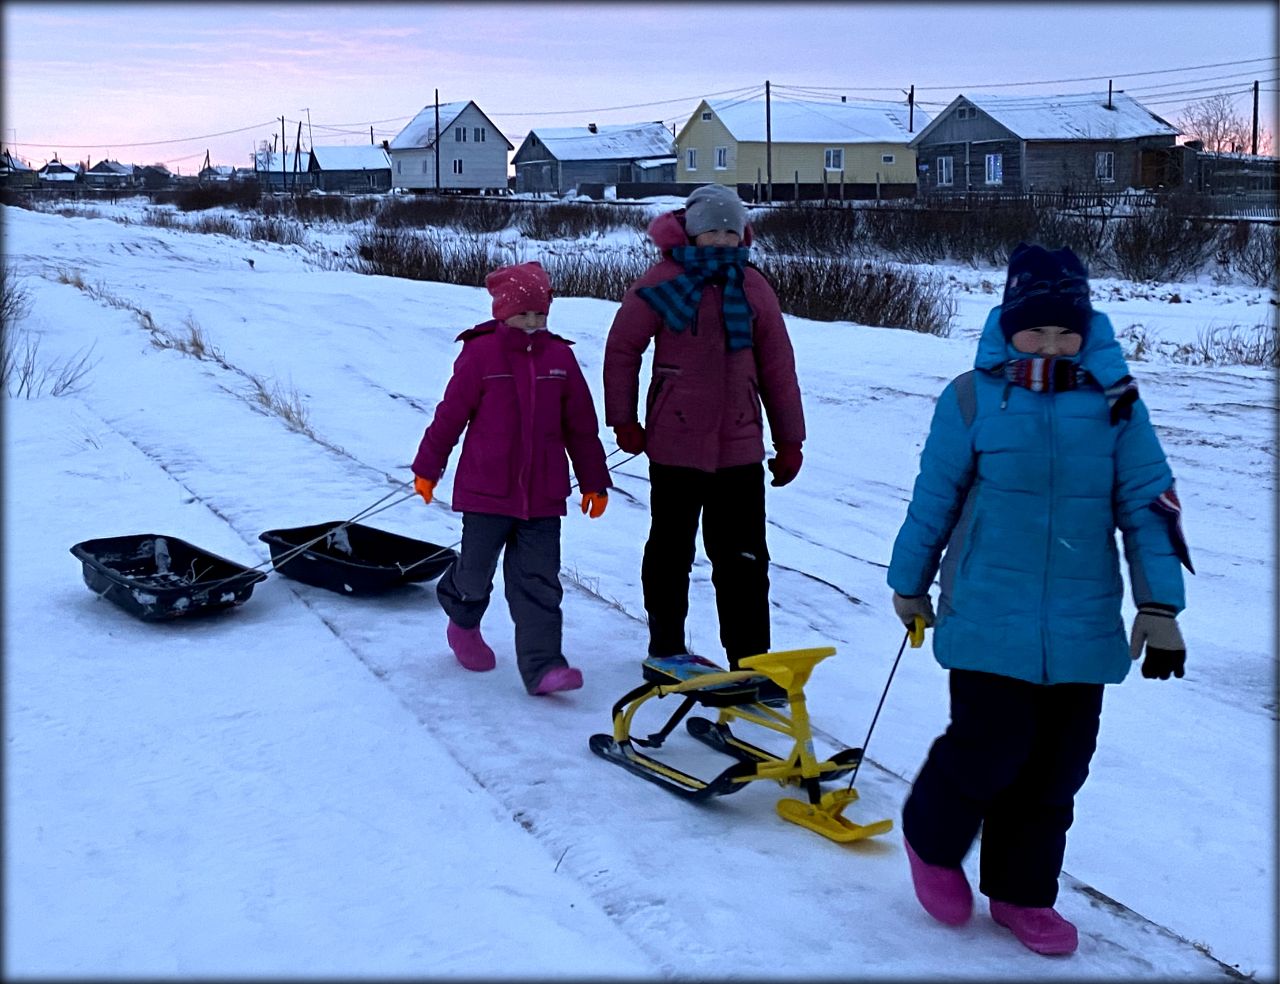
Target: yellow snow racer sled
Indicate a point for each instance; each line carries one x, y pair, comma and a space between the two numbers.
737, 696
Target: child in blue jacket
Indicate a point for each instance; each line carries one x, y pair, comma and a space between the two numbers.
1034, 459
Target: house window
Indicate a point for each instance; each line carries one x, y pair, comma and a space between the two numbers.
691, 159
398, 163
706, 115
833, 159
460, 134
457, 165
886, 158
479, 134
424, 165
722, 158
946, 172
1104, 167
995, 169
966, 113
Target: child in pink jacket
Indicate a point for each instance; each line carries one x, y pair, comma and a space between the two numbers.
520, 395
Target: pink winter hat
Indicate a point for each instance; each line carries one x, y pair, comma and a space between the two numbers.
519, 288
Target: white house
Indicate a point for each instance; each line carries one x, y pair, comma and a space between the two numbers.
471, 154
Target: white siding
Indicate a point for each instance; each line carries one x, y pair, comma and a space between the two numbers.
484, 163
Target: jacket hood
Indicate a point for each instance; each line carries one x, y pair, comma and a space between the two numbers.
667, 231
1101, 354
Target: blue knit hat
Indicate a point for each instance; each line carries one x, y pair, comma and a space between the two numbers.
1045, 288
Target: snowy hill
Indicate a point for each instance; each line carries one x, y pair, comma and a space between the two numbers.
310, 785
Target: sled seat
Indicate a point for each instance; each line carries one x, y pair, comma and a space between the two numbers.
670, 670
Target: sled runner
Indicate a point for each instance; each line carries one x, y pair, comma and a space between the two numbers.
161, 577
736, 695
352, 559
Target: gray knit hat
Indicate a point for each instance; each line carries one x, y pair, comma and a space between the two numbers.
714, 207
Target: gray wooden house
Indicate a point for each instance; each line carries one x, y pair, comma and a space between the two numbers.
363, 169
111, 174
16, 173
282, 172
560, 159
1026, 143
470, 155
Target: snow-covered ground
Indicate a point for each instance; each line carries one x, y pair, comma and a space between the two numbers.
310, 785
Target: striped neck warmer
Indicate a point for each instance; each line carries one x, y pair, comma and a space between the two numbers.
676, 300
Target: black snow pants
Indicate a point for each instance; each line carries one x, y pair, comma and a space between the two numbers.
1011, 761
531, 573
730, 503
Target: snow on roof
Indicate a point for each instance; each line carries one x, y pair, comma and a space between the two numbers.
14, 163
273, 161
655, 162
625, 141
421, 130
1072, 117
112, 167
362, 157
798, 121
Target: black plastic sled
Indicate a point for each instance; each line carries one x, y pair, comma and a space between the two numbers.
352, 559
158, 577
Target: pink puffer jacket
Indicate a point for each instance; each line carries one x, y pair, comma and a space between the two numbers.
524, 403
703, 407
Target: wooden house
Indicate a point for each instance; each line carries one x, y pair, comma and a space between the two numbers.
561, 159
1026, 143
55, 172
469, 156
152, 176
363, 169
282, 172
822, 149
110, 175
16, 173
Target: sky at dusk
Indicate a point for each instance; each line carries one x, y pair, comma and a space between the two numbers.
148, 82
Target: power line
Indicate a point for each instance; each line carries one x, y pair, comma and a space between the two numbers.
149, 143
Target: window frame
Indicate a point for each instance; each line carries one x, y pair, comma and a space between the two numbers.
833, 159
722, 158
457, 165
691, 159
460, 134
1107, 157
888, 158
946, 166
994, 171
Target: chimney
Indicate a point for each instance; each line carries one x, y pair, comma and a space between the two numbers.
386, 146
844, 99
591, 128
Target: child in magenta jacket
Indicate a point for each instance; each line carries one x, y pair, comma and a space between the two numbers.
520, 395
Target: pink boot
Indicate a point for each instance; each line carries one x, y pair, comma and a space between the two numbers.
469, 647
944, 892
558, 678
1042, 930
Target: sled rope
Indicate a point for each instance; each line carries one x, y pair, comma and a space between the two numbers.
867, 741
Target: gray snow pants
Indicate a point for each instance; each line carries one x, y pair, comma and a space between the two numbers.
531, 571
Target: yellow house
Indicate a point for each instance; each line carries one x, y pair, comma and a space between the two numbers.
860, 145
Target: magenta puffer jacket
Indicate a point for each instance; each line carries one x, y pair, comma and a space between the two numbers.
703, 406
524, 403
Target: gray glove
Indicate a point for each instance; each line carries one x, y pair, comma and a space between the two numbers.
1156, 629
907, 608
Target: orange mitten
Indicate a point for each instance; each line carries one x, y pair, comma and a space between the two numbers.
594, 503
425, 487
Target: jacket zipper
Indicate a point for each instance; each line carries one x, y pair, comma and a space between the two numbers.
1048, 546
526, 471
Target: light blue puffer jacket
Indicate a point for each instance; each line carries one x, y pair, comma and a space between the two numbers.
1025, 492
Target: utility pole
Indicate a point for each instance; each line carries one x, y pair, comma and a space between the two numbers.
911, 110
437, 141
297, 152
310, 139
1255, 118
284, 149
768, 141
1109, 81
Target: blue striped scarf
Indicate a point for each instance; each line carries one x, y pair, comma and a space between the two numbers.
1042, 375
676, 300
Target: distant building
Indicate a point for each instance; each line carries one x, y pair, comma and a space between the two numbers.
110, 174
216, 173
356, 169
57, 173
16, 173
1025, 143
282, 172
827, 148
560, 159
152, 176
469, 156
